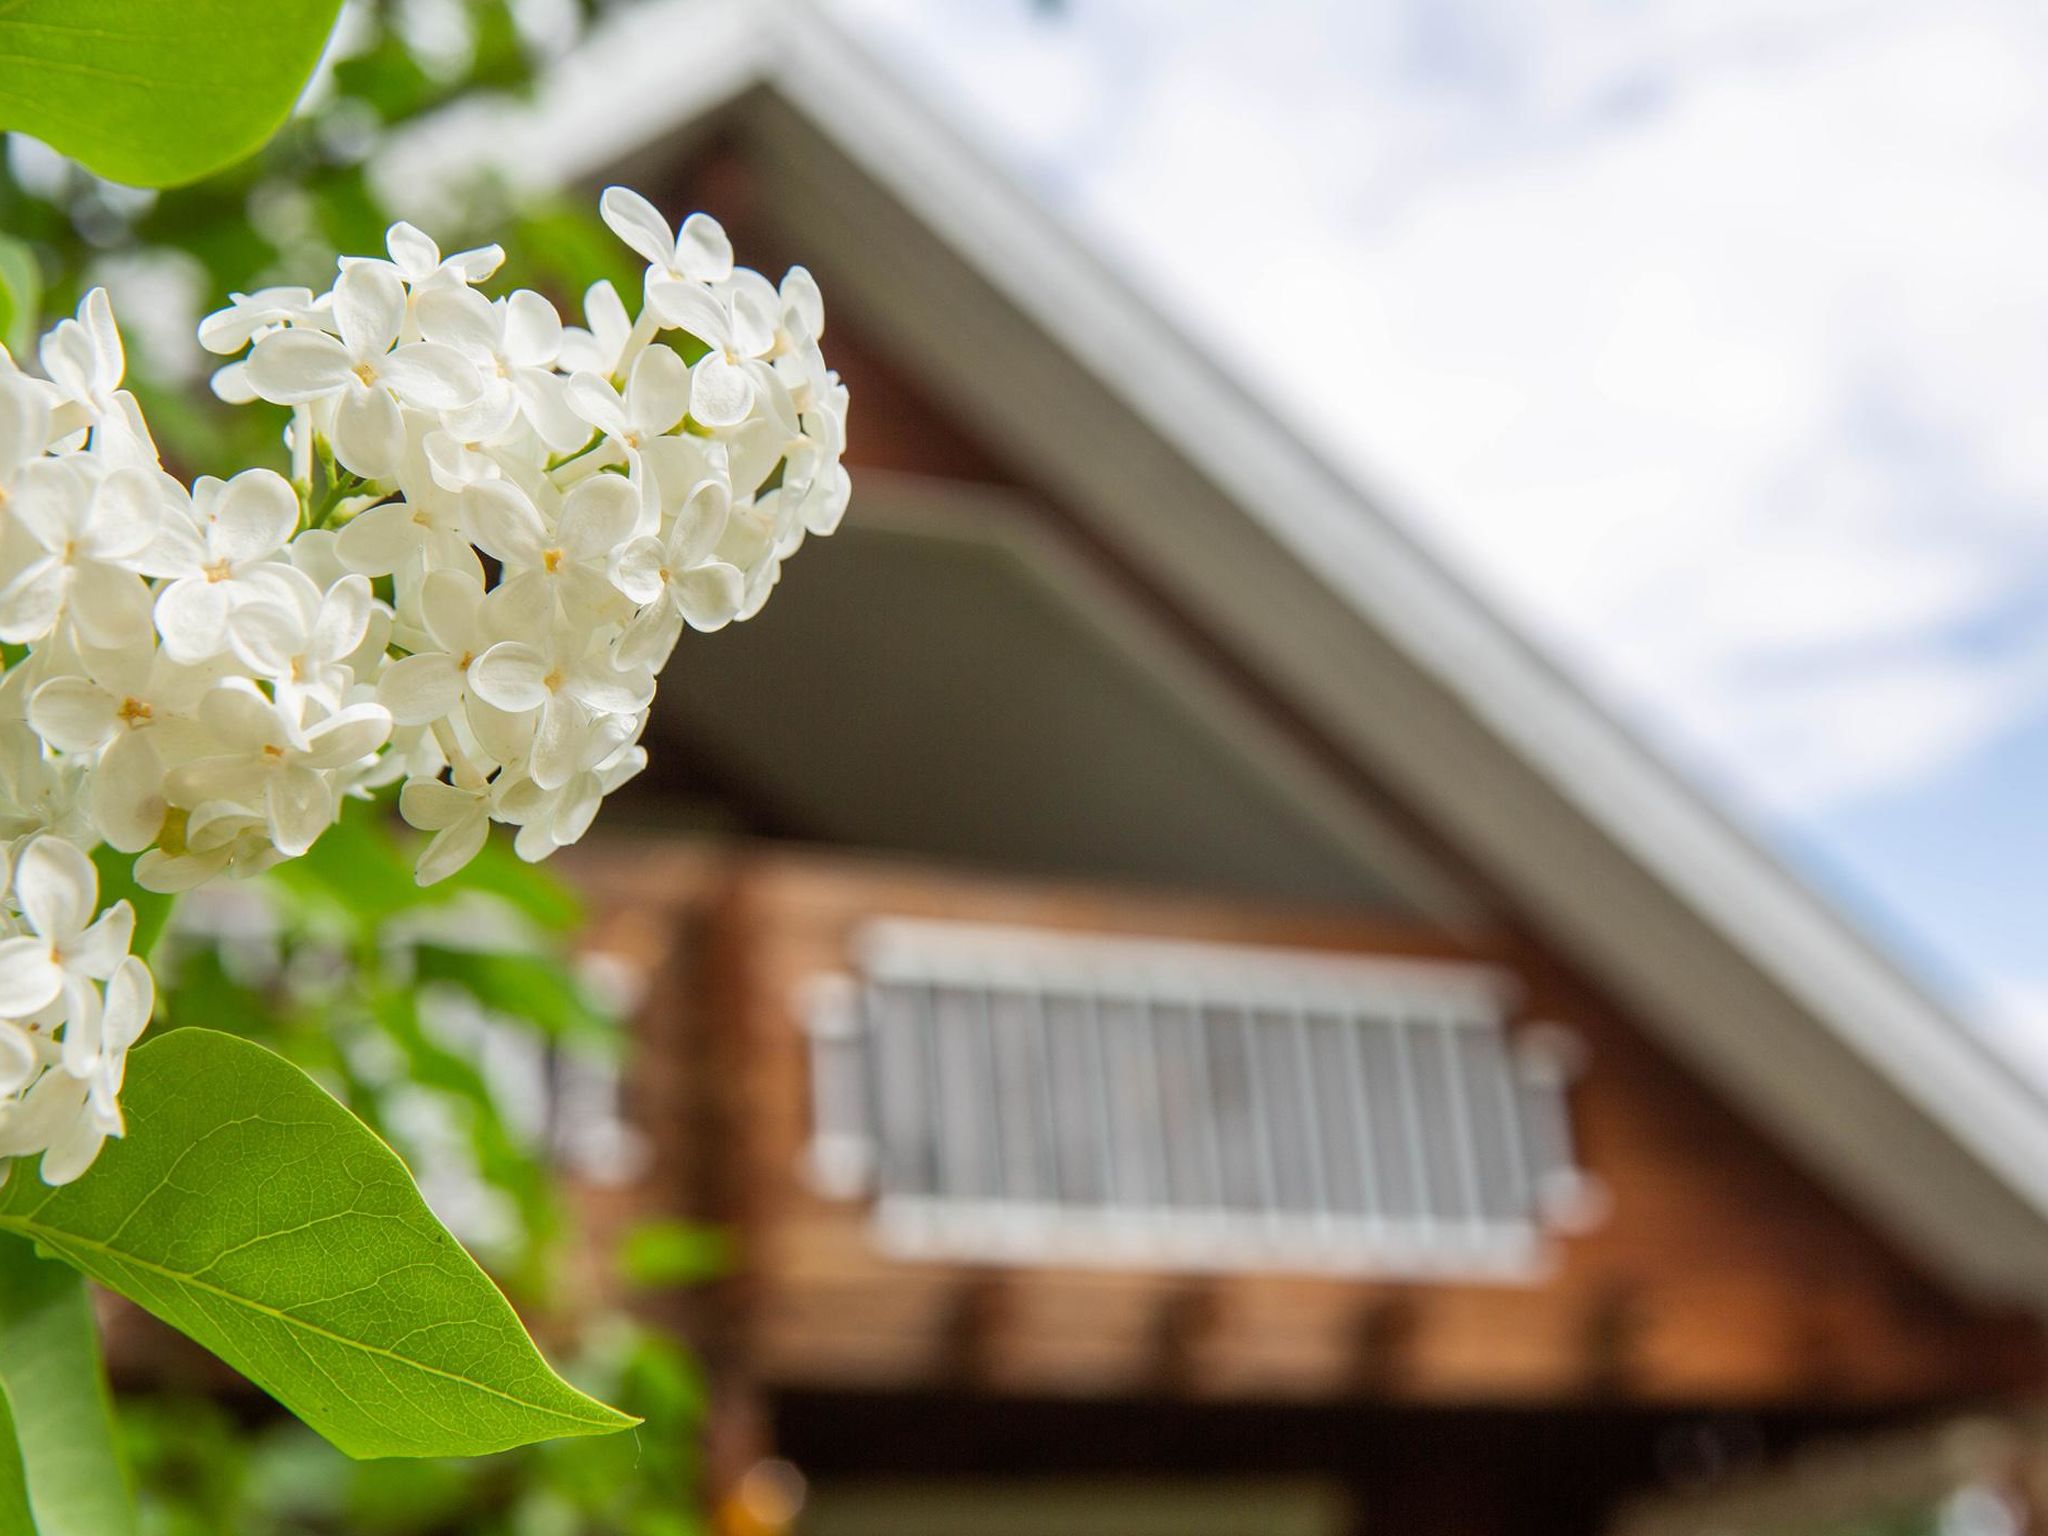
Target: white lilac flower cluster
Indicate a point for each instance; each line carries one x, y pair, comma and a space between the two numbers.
495, 531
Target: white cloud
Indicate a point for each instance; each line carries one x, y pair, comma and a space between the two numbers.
1712, 336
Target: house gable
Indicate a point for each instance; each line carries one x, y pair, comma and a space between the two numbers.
1737, 969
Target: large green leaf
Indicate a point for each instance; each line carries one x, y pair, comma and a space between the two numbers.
15, 1519
251, 1210
63, 1420
156, 92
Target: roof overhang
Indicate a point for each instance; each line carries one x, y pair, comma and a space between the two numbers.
1743, 972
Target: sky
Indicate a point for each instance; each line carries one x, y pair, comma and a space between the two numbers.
1709, 338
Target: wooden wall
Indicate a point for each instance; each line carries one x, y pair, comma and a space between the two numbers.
1721, 1275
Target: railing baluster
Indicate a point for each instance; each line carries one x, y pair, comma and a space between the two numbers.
1083, 1100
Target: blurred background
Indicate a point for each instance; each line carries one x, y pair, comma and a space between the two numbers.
1705, 338
1133, 998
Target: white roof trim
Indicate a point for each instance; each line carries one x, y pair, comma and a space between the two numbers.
1747, 974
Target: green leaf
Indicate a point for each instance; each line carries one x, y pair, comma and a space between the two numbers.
21, 295
50, 1366
157, 92
15, 1519
249, 1209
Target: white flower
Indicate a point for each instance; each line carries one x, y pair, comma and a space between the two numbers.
118, 706
249, 315
299, 639
678, 579
417, 261
567, 681
657, 398
455, 623
81, 531
426, 530
458, 816
215, 551
85, 361
66, 949
207, 840
21, 1058
554, 816
699, 252
267, 763
38, 792
513, 342
366, 374
737, 324
69, 1114
24, 425
599, 344
566, 559
544, 509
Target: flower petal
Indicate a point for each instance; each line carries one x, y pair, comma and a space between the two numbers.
431, 377
433, 806
658, 393
298, 805
126, 793
56, 888
73, 714
803, 306
419, 690
710, 596
255, 516
721, 393
18, 1060
510, 676
192, 616
504, 522
448, 605
109, 608
29, 979
412, 250
640, 224
637, 572
80, 1048
452, 848
559, 740
131, 998
292, 367
369, 432
369, 308
24, 424
104, 945
126, 510
30, 603
703, 251
533, 331
598, 515
700, 523
348, 736
594, 399
691, 307
343, 619
378, 541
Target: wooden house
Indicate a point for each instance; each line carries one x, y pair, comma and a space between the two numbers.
1194, 1025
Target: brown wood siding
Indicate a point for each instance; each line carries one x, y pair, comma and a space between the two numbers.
1721, 1274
